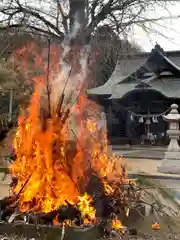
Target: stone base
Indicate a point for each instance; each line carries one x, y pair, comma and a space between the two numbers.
172, 155
170, 165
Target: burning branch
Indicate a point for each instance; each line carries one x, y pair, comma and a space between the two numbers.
47, 83
61, 98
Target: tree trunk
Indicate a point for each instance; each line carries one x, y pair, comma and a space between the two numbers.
77, 13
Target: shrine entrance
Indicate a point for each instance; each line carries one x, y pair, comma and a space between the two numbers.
137, 118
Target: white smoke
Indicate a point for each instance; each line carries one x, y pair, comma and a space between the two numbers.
71, 84
68, 81
75, 29
84, 59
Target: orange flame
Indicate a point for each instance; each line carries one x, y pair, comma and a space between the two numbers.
117, 225
54, 175
84, 205
156, 226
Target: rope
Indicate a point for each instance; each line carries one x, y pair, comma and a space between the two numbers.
147, 115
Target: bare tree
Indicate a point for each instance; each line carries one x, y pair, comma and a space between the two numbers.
56, 17
100, 21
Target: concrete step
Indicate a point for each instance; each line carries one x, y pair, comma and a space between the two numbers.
139, 147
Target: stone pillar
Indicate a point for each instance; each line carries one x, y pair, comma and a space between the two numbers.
104, 125
103, 120
171, 161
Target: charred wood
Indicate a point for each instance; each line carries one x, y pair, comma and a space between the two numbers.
7, 201
60, 103
14, 182
7, 212
66, 116
95, 189
43, 119
65, 212
69, 212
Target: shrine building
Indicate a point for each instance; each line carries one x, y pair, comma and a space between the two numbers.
137, 95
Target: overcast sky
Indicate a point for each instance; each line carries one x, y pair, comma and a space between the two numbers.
170, 28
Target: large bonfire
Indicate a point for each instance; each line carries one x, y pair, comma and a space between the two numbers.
61, 148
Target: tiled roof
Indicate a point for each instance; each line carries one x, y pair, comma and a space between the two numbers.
129, 72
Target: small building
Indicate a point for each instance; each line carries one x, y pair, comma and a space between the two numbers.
137, 95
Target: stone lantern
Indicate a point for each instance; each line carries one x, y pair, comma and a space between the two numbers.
171, 161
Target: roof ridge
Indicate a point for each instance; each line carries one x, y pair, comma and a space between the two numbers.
169, 61
159, 49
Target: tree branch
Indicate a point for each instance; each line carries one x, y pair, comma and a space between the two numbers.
64, 17
36, 15
106, 9
36, 29
94, 5
45, 21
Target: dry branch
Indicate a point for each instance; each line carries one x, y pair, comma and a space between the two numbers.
122, 15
